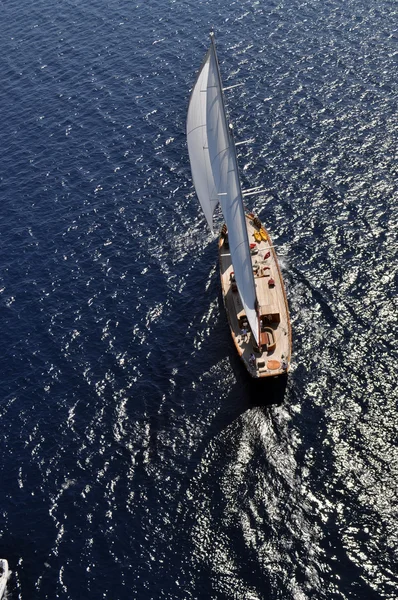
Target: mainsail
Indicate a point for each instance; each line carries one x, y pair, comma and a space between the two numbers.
214, 168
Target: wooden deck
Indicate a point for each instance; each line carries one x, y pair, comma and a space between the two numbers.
272, 356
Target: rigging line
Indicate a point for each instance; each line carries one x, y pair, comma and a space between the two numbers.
240, 244
245, 142
220, 152
244, 194
262, 250
256, 187
194, 129
230, 87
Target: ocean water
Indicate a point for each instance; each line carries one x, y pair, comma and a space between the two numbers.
136, 460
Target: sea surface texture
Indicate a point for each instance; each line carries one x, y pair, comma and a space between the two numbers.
136, 460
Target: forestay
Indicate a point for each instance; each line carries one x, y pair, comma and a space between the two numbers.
215, 174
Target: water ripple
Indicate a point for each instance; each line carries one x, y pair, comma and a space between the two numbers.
133, 461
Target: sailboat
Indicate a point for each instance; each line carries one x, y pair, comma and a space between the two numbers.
251, 280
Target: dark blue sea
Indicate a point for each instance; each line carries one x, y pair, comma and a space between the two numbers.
136, 459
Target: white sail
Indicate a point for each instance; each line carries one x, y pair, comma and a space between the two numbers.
217, 151
202, 173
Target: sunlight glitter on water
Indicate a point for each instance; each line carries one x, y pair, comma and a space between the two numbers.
119, 373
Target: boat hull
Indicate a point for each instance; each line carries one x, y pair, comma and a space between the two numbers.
271, 356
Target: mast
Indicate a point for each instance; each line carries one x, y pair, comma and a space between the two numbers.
214, 167
239, 218
229, 126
